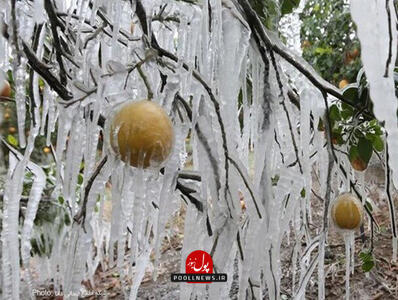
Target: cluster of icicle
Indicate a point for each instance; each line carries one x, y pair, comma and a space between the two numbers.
264, 122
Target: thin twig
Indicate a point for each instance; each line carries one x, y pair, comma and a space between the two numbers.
44, 72
35, 42
388, 192
94, 34
15, 30
146, 82
247, 185
50, 9
140, 11
390, 38
282, 96
257, 27
80, 217
331, 158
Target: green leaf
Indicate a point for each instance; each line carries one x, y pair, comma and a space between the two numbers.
353, 153
334, 113
347, 111
378, 143
321, 51
363, 96
369, 206
61, 200
378, 129
321, 127
367, 260
367, 266
365, 149
302, 193
339, 139
373, 123
350, 92
275, 180
12, 140
80, 179
288, 6
67, 219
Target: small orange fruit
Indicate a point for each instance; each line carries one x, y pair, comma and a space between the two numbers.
354, 53
142, 134
358, 164
6, 115
46, 150
347, 211
343, 83
12, 130
6, 91
305, 44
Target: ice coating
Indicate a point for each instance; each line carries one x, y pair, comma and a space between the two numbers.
261, 148
378, 40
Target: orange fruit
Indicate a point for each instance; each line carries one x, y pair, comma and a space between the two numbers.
6, 91
305, 44
142, 134
343, 83
46, 150
12, 130
347, 211
354, 53
358, 164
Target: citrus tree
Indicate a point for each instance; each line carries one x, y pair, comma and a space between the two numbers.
117, 92
329, 41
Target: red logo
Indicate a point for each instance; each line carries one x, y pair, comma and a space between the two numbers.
199, 269
199, 262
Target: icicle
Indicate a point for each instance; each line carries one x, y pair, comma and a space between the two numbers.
377, 40
169, 183
39, 182
20, 101
348, 238
321, 268
10, 285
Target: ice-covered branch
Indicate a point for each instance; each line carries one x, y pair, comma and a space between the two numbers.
50, 9
388, 192
272, 43
389, 57
331, 160
44, 72
80, 217
15, 30
282, 95
140, 11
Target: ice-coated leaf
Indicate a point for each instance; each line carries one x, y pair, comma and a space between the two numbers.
365, 149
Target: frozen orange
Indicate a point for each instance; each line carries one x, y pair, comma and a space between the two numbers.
347, 211
142, 134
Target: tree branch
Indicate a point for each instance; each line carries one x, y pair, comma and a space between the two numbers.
50, 9
44, 72
141, 14
81, 215
272, 44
